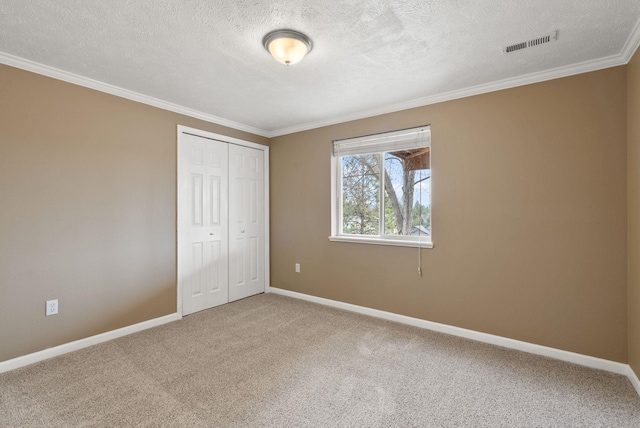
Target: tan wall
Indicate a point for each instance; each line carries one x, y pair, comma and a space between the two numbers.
529, 214
88, 210
633, 163
529, 217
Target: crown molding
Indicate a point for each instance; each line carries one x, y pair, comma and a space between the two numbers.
86, 82
527, 79
627, 52
631, 46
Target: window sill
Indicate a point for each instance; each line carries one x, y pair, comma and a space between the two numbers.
381, 241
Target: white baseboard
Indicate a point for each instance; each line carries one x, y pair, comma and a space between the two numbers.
634, 379
65, 348
558, 354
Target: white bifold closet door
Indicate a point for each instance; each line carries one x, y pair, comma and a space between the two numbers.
204, 250
222, 222
246, 222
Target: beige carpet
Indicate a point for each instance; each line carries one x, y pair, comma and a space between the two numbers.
272, 361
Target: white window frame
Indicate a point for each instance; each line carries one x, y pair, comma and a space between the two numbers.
378, 142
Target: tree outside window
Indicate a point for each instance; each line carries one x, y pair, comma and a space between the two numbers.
405, 179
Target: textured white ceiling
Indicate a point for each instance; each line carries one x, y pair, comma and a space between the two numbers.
368, 55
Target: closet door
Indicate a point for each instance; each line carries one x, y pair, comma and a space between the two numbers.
247, 222
203, 246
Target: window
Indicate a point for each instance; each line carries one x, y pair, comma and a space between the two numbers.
381, 188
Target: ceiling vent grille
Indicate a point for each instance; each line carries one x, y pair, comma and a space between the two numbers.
547, 38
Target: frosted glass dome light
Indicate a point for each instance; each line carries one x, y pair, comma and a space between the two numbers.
287, 46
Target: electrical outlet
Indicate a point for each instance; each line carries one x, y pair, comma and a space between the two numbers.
297, 267
52, 307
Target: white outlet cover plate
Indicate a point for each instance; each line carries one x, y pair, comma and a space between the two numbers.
52, 307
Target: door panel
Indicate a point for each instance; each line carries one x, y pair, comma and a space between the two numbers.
196, 263
237, 259
197, 200
204, 237
246, 202
214, 253
254, 253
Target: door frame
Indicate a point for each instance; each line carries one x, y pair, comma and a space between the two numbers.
182, 200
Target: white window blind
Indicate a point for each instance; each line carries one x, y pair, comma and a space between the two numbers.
404, 139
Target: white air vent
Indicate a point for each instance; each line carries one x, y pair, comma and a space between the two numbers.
547, 38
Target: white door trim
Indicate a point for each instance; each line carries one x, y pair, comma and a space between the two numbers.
181, 130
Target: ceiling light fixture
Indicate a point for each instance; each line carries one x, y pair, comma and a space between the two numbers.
287, 46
